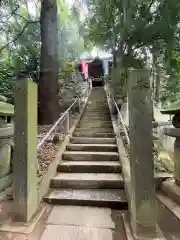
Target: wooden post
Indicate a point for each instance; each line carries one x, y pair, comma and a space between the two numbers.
25, 153
143, 203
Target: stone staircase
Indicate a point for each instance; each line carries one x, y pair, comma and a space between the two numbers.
90, 172
168, 203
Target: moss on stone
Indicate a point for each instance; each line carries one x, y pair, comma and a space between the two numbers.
172, 108
6, 109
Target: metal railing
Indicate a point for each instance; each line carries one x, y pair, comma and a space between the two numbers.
65, 117
112, 103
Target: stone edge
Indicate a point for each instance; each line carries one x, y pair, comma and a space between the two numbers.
169, 204
24, 228
123, 158
129, 233
169, 196
126, 176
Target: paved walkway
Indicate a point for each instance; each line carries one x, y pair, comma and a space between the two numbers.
84, 223
70, 223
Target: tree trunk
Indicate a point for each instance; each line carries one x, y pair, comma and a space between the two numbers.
48, 110
114, 59
114, 44
157, 90
153, 75
153, 82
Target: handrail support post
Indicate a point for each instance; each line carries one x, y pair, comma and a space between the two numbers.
67, 122
79, 104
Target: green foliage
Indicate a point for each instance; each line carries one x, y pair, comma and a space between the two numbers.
71, 43
171, 90
21, 50
175, 63
132, 30
65, 74
20, 43
6, 84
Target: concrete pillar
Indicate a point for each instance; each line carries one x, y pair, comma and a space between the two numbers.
25, 153
177, 160
175, 133
143, 204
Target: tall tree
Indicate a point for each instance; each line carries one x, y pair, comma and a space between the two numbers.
49, 64
139, 27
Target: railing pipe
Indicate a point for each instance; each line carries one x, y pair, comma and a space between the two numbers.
123, 125
62, 117
119, 113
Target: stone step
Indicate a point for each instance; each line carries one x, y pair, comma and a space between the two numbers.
172, 190
92, 120
98, 94
97, 99
102, 109
93, 140
82, 121
96, 115
88, 197
169, 209
90, 156
95, 130
96, 110
87, 180
97, 103
92, 147
95, 125
97, 107
96, 135
97, 118
100, 101
89, 166
162, 177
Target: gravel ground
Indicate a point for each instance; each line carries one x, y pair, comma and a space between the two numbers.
47, 152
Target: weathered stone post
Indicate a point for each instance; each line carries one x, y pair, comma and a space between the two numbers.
175, 132
177, 159
6, 142
174, 109
25, 153
143, 204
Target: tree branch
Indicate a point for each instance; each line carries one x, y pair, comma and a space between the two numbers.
150, 5
25, 19
15, 39
22, 31
147, 10
12, 13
